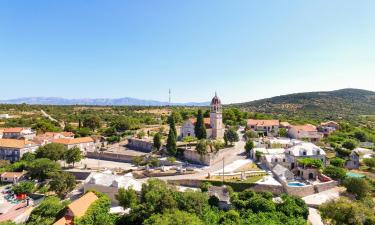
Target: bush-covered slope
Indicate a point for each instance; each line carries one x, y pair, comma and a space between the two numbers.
332, 104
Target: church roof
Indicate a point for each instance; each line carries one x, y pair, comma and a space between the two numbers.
215, 100
207, 122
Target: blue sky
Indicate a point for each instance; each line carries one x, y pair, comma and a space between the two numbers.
244, 50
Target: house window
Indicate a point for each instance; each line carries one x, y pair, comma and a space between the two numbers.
275, 160
304, 153
318, 152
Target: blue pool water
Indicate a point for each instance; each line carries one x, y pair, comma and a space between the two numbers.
296, 184
355, 175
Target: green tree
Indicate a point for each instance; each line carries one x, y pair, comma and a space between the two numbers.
25, 187
47, 211
172, 124
73, 155
43, 126
335, 173
157, 198
204, 186
42, 169
157, 141
171, 143
174, 217
191, 201
343, 211
92, 122
231, 136
370, 162
249, 146
338, 162
52, 151
311, 162
201, 147
200, 127
360, 135
127, 198
349, 144
83, 132
293, 207
357, 186
283, 132
62, 183
28, 156
68, 127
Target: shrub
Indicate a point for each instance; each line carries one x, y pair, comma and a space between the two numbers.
335, 173
338, 162
357, 186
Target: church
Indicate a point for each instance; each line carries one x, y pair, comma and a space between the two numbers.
214, 124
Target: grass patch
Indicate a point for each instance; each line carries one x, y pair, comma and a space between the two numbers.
247, 167
237, 184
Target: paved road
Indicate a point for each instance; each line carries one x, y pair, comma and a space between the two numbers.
238, 153
51, 118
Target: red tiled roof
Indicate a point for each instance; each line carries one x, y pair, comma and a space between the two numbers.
306, 127
80, 206
13, 130
12, 174
14, 143
207, 122
73, 141
252, 122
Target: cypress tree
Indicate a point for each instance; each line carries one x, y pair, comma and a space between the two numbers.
172, 124
171, 143
200, 128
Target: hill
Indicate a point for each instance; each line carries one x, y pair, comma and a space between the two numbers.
96, 101
343, 103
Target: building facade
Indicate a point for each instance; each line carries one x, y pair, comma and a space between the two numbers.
214, 125
264, 127
19, 133
13, 149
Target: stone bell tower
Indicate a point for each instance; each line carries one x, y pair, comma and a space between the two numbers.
216, 118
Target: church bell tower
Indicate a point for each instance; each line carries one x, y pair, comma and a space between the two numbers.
216, 118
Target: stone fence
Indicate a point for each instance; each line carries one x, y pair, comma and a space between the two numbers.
140, 145
208, 159
304, 191
274, 189
110, 156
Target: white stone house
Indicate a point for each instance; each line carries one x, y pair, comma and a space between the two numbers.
109, 183
19, 133
13, 149
264, 127
83, 143
306, 131
304, 150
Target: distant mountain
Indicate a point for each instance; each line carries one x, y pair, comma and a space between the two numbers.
96, 101
328, 104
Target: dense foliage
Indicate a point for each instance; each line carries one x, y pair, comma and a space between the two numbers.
160, 204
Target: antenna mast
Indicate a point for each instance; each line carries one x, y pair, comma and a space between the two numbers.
169, 96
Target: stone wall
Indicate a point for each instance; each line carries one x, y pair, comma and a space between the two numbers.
300, 191
274, 189
140, 145
326, 186
110, 156
208, 159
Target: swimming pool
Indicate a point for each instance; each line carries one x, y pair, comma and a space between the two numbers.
355, 175
296, 184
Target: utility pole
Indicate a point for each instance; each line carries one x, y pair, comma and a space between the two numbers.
169, 97
223, 170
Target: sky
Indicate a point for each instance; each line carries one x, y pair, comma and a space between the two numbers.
243, 49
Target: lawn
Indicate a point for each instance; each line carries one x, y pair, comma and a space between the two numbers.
236, 183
